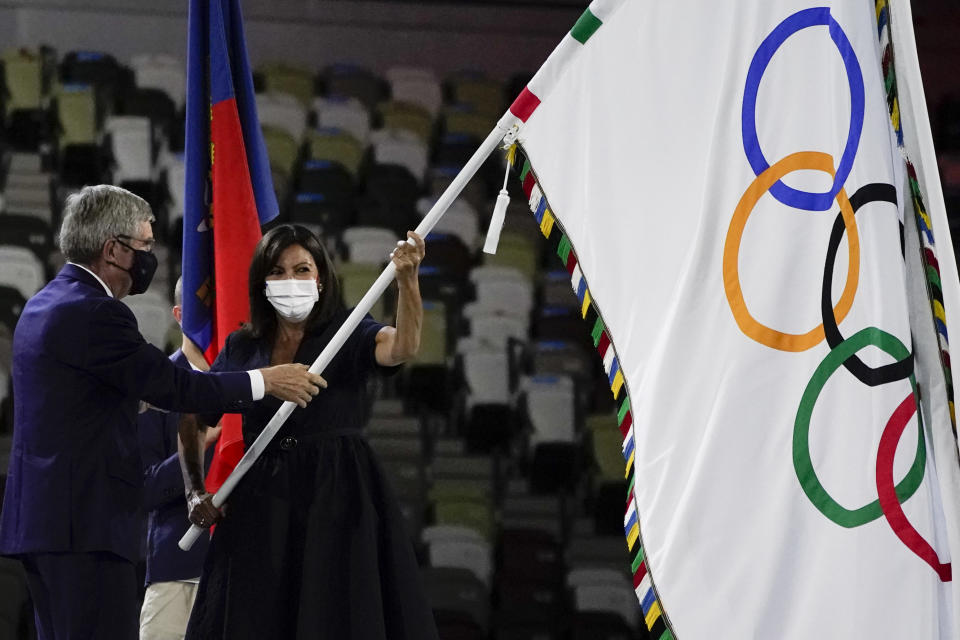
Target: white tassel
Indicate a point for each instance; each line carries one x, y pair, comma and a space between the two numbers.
503, 200
496, 222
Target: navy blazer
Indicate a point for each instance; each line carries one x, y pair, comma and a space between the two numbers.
163, 496
80, 368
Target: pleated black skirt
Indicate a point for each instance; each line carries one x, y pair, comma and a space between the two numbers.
313, 545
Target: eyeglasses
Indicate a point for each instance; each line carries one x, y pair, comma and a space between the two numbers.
148, 242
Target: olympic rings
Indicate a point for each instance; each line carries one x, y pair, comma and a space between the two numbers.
817, 16
802, 461
889, 501
767, 336
843, 352
869, 376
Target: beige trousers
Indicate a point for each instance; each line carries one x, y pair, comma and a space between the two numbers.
166, 609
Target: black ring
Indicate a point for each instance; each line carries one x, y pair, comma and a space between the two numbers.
871, 376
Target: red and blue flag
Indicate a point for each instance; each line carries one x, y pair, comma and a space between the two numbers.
229, 192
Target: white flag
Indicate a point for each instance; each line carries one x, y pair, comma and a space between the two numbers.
745, 196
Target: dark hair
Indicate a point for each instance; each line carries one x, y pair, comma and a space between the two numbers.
263, 319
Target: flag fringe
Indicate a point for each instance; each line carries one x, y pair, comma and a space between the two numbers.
922, 219
654, 616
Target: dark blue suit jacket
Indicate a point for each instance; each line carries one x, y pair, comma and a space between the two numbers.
163, 496
80, 367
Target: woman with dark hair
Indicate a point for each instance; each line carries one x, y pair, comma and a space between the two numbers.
313, 544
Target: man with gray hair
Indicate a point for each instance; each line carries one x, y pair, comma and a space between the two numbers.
80, 370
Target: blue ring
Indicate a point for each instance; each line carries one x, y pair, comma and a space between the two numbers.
817, 16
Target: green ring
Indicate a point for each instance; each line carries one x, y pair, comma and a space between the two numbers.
802, 462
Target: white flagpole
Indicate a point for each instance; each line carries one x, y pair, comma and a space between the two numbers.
363, 307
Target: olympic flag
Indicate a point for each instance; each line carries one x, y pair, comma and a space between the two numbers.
745, 197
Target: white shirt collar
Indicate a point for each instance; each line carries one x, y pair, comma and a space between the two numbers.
104, 284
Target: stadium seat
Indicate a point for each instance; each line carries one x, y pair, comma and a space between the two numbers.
493, 327
355, 280
403, 148
454, 150
314, 208
453, 505
555, 467
381, 210
393, 181
131, 142
329, 178
27, 231
164, 73
283, 111
152, 311
531, 554
502, 289
550, 405
83, 164
77, 114
23, 75
21, 269
427, 372
472, 555
341, 112
99, 70
559, 323
11, 305
533, 520
588, 551
476, 192
283, 77
356, 82
176, 185
428, 379
465, 120
416, 86
336, 145
369, 245
486, 373
563, 357
460, 219
609, 596
283, 149
482, 93
399, 445
447, 252
518, 251
556, 290
153, 104
459, 600
28, 129
410, 117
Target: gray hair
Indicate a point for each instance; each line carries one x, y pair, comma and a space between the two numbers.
97, 214
178, 293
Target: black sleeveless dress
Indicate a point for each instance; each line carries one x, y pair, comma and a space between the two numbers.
313, 544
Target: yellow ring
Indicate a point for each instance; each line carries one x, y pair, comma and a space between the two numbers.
812, 160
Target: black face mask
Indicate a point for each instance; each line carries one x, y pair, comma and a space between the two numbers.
141, 271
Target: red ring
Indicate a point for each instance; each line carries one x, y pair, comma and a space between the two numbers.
889, 503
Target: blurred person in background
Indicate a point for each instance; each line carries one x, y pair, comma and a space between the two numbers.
172, 574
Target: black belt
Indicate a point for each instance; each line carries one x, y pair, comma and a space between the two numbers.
290, 442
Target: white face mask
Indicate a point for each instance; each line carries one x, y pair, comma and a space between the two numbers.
292, 299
